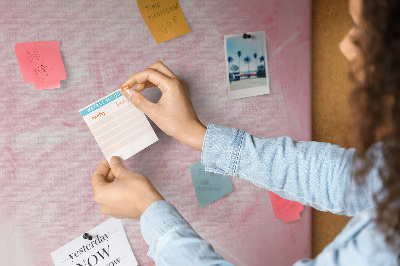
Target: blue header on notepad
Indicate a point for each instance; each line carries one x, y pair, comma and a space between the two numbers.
101, 103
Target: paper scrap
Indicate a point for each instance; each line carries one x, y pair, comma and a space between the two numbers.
119, 128
41, 63
164, 19
288, 211
109, 246
209, 186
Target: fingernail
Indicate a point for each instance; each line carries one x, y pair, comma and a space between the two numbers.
125, 88
129, 92
115, 160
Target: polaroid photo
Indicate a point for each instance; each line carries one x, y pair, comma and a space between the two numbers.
246, 64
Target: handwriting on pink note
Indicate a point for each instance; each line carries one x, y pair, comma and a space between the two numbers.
284, 209
41, 63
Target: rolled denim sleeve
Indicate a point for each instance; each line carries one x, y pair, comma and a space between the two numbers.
172, 241
313, 173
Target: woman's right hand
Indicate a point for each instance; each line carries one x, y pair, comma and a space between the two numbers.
173, 113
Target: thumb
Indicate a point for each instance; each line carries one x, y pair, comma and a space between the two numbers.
138, 100
117, 167
99, 176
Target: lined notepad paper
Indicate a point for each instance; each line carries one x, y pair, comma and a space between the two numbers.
119, 128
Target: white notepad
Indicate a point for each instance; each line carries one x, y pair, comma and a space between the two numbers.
119, 128
108, 246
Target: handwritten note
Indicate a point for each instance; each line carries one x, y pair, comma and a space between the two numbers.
164, 19
209, 186
288, 211
108, 246
41, 63
119, 128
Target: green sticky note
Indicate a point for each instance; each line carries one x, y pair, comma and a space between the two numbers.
209, 186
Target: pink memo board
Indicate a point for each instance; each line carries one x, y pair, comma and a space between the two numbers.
49, 155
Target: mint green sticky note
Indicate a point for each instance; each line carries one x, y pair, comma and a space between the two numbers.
209, 186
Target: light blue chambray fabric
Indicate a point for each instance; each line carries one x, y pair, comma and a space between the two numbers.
312, 173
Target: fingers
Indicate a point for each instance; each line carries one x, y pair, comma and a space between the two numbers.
100, 174
140, 102
117, 167
142, 86
160, 67
156, 75
160, 80
110, 177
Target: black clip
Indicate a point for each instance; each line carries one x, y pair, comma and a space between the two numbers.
87, 236
246, 36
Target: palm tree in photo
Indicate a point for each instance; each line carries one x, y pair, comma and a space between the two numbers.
262, 59
247, 60
255, 58
230, 59
239, 54
234, 68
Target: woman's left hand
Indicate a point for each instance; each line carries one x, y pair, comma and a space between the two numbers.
122, 193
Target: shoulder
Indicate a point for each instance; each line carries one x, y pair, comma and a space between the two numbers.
362, 241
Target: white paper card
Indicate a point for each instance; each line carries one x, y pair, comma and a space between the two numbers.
119, 128
108, 247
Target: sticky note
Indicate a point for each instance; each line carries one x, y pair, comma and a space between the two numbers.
119, 128
41, 63
284, 209
164, 19
108, 246
209, 186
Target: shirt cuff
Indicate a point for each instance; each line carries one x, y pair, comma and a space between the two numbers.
222, 147
156, 221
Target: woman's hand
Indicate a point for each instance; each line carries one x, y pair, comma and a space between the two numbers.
173, 113
128, 196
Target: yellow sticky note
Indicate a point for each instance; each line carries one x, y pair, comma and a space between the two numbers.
164, 19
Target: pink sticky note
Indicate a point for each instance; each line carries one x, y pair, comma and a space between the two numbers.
41, 63
286, 210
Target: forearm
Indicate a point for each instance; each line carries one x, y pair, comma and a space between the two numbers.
172, 240
312, 173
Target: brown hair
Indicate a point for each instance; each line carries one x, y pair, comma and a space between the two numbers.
376, 102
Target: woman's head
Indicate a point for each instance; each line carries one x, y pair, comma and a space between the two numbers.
373, 48
350, 44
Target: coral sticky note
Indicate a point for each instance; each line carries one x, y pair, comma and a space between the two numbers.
164, 19
41, 63
284, 209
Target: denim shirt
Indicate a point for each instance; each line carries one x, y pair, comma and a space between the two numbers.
312, 173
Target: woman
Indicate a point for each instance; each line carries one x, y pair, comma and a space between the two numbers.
317, 174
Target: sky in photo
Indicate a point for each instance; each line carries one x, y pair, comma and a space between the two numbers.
248, 47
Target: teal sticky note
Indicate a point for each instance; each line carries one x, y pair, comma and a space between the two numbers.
209, 186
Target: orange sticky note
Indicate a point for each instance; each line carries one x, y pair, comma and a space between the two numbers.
164, 19
288, 211
41, 63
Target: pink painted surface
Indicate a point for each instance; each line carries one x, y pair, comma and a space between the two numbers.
49, 154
